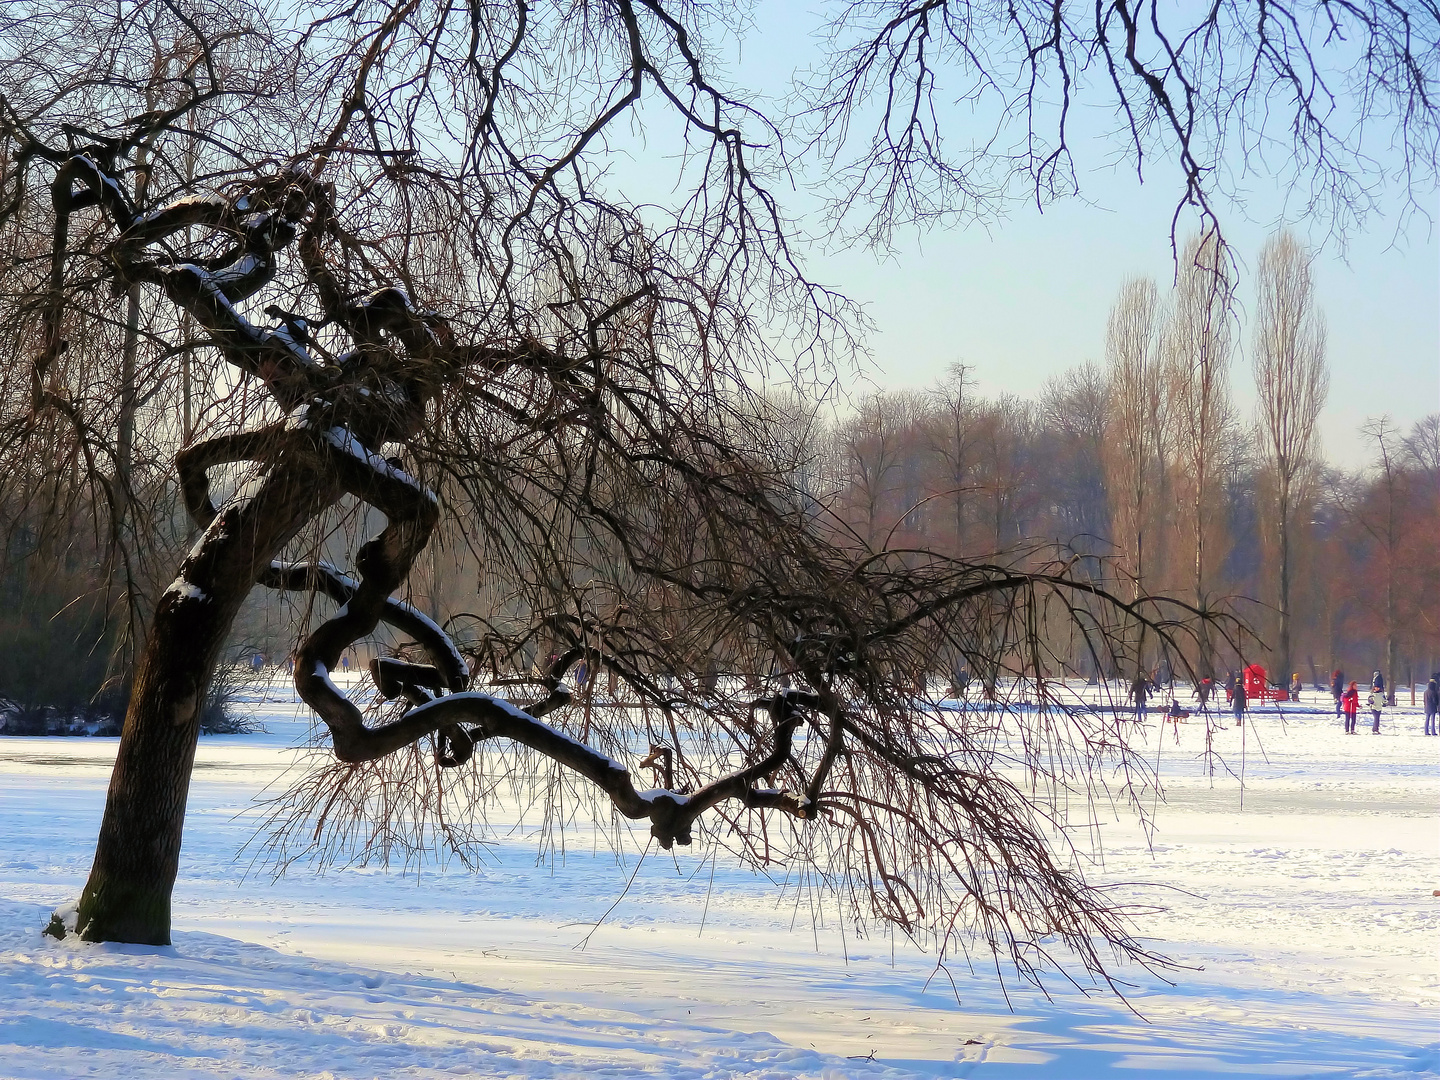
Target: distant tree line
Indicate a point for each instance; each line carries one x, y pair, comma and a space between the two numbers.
1144, 470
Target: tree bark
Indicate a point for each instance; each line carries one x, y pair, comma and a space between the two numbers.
1207, 663
1284, 635
127, 896
125, 433
1391, 542
1390, 664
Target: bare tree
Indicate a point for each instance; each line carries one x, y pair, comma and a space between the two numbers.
1135, 472
876, 452
390, 238
1075, 408
1376, 535
1005, 467
953, 436
1420, 584
1198, 343
931, 111
1292, 379
1384, 523
412, 310
1422, 449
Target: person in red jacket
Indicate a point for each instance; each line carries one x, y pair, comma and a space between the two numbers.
1350, 702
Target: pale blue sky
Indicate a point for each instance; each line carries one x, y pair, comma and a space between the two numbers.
1028, 296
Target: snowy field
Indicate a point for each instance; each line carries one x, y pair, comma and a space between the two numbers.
1304, 915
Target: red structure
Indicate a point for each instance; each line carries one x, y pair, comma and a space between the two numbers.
1257, 688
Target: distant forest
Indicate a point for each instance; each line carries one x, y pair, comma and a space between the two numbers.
1012, 478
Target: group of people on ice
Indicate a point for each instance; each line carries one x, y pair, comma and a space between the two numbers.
1142, 689
1347, 701
1347, 698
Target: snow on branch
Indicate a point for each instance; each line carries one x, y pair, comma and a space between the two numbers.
208, 291
449, 666
670, 813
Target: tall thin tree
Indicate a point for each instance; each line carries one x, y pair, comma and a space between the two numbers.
953, 437
1132, 362
1384, 525
1292, 380
1198, 347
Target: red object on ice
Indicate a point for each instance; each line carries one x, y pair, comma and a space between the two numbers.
1258, 689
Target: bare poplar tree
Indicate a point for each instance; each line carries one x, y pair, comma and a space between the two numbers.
1384, 523
1198, 340
1292, 379
1135, 472
953, 438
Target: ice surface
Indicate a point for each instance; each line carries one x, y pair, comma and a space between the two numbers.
1306, 917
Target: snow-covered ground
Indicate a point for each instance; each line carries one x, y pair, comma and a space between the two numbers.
1305, 915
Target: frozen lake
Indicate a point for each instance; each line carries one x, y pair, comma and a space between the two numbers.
1305, 919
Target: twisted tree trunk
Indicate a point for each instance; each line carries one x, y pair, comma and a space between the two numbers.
127, 896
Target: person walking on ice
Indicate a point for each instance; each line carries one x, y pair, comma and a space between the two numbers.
1432, 705
1350, 700
1376, 704
1237, 700
1140, 694
1203, 691
1337, 688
